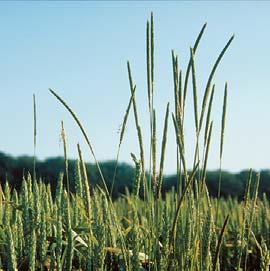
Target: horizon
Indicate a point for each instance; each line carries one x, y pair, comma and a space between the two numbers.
70, 48
38, 160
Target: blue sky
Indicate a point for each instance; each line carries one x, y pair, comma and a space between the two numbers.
80, 50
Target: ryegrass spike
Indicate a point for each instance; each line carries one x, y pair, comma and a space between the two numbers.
208, 117
85, 137
138, 128
122, 136
189, 64
163, 149
35, 136
209, 82
223, 121
195, 98
63, 136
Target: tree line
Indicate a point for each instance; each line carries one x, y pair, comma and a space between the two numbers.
13, 169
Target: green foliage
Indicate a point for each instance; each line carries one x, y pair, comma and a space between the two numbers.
66, 246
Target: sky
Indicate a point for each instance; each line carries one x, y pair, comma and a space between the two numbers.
80, 50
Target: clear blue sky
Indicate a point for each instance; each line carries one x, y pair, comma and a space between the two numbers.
80, 50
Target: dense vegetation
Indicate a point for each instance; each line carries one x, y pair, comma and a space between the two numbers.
84, 232
13, 169
59, 223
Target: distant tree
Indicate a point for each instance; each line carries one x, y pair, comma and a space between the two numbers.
13, 169
230, 184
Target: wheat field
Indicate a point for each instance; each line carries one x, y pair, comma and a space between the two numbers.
145, 229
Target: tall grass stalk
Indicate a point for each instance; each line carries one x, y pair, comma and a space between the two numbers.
220, 239
63, 136
98, 167
163, 150
223, 121
85, 136
138, 128
209, 82
35, 136
196, 44
122, 132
